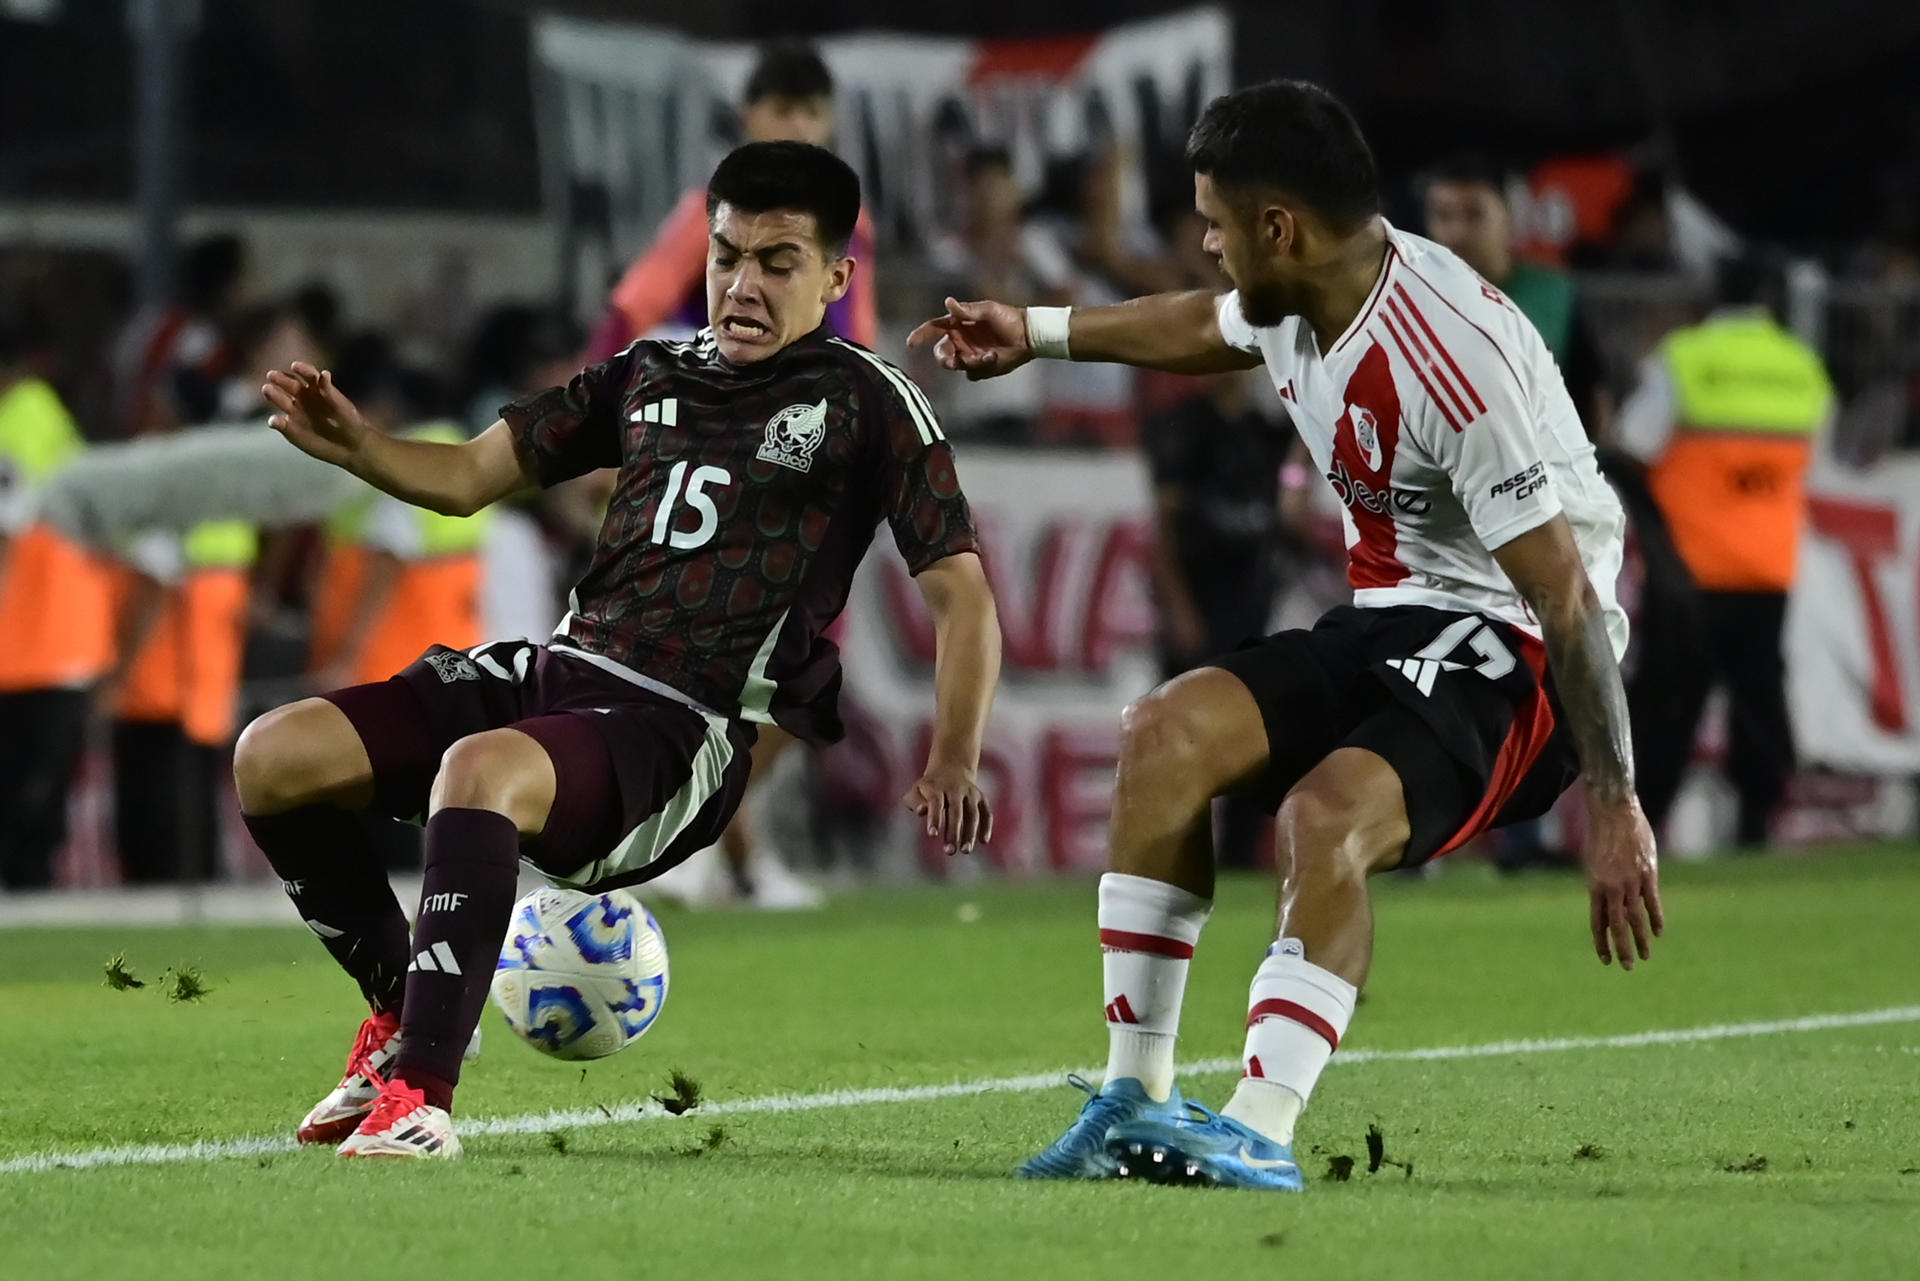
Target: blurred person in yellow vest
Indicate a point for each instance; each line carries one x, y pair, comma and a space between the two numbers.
1724, 419
173, 695
395, 579
54, 625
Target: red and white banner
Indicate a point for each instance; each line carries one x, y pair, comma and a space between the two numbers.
1067, 538
1853, 625
631, 116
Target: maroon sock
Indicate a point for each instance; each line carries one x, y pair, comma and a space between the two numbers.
473, 867
331, 871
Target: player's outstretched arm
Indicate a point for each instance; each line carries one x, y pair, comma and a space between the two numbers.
1623, 879
1177, 332
966, 669
454, 480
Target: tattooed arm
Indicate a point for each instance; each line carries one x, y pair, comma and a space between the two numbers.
1622, 878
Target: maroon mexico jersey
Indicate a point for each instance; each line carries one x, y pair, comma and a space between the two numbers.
746, 499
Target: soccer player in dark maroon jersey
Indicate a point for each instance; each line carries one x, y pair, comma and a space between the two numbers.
755, 463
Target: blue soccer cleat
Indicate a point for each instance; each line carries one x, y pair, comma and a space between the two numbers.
1200, 1146
1081, 1153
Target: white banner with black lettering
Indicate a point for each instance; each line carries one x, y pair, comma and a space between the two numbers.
631, 116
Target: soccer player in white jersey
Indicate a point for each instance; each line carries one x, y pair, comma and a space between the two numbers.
1474, 676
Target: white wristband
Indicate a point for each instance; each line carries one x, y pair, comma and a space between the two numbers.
1047, 332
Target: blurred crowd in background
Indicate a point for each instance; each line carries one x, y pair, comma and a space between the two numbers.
154, 653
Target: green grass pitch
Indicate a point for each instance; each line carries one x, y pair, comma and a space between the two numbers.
1786, 1154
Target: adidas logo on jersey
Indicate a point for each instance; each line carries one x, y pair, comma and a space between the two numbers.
665, 412
437, 959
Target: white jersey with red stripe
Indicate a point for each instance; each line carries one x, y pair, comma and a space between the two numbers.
1444, 426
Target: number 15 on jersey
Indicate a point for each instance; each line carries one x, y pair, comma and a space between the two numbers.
697, 498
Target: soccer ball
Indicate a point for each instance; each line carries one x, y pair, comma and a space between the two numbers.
581, 976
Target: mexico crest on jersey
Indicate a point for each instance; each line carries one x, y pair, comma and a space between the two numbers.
794, 434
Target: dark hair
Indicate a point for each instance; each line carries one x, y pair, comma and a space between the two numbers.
1294, 136
1752, 275
1467, 169
369, 370
252, 326
365, 367
788, 69
212, 267
986, 156
511, 340
318, 306
761, 177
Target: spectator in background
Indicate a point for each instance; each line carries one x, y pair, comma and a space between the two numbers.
1724, 420
396, 578
1642, 236
1217, 465
169, 364
1083, 242
173, 695
183, 601
515, 347
989, 259
789, 98
1183, 235
317, 305
54, 625
536, 542
265, 337
1467, 210
1872, 339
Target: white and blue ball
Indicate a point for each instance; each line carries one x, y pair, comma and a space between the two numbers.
581, 976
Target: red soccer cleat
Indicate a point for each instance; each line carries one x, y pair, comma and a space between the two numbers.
334, 1117
403, 1124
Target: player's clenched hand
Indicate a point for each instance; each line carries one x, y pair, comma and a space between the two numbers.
314, 414
983, 339
1623, 880
955, 809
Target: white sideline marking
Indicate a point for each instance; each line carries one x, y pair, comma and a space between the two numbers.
627, 1113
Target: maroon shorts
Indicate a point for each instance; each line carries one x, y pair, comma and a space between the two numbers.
641, 781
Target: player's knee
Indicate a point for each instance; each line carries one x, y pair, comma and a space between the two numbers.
1163, 733
1329, 832
491, 771
286, 758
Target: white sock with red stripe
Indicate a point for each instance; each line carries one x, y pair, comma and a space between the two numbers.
1147, 932
1296, 1015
